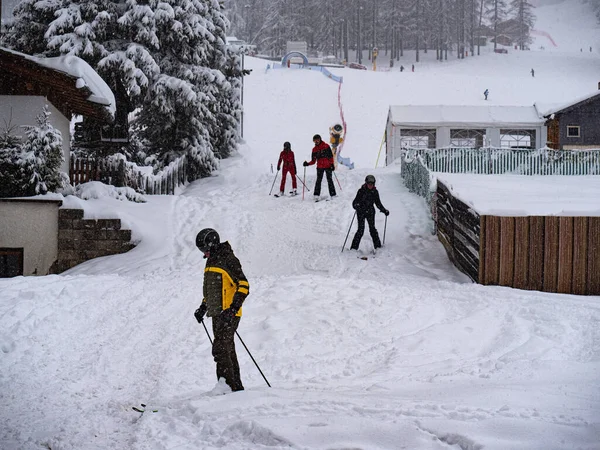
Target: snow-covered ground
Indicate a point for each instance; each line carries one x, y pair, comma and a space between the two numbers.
399, 351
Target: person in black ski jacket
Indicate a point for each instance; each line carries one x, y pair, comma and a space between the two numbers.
366, 197
225, 289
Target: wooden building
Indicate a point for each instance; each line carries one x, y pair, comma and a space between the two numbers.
575, 125
66, 84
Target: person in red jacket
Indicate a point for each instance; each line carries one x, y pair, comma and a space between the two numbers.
289, 165
323, 156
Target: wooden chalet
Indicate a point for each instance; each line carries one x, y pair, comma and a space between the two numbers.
66, 84
574, 126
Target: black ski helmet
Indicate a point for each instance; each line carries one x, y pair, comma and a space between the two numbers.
337, 127
287, 145
370, 179
207, 239
317, 136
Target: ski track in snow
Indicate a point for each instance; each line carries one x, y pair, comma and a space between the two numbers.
399, 351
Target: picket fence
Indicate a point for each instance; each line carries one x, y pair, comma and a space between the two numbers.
419, 165
494, 161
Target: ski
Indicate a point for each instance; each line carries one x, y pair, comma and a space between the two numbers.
142, 411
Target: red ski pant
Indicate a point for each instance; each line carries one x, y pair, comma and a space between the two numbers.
283, 177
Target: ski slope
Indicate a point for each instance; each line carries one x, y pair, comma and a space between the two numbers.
400, 351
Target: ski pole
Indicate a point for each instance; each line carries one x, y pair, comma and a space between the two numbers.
253, 360
274, 179
204, 325
384, 228
337, 180
349, 228
303, 182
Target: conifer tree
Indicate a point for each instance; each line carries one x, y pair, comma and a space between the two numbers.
164, 60
41, 157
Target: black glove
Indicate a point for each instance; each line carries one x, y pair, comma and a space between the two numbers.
332, 167
278, 169
305, 164
386, 212
200, 312
228, 314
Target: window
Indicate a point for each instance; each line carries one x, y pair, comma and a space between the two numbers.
11, 262
467, 138
517, 139
417, 138
572, 131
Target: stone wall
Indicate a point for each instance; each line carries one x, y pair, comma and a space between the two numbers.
82, 239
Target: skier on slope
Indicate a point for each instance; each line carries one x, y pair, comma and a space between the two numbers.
289, 165
366, 197
225, 289
323, 156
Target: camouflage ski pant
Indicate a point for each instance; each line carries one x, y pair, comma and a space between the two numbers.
224, 352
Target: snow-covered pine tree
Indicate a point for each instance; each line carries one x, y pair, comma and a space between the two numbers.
160, 60
9, 157
26, 33
40, 158
228, 106
177, 118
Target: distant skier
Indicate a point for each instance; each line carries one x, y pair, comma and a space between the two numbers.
401, 68
413, 67
366, 197
532, 73
225, 289
289, 165
486, 93
323, 156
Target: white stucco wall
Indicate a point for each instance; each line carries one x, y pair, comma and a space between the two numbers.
25, 109
33, 226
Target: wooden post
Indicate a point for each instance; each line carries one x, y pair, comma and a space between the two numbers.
565, 255
580, 244
521, 252
593, 268
551, 225
507, 251
492, 250
535, 277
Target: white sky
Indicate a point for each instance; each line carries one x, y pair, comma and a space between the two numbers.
400, 351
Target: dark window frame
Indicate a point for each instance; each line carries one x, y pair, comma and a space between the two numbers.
418, 137
9, 251
570, 127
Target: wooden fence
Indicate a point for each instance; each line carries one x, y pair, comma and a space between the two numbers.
119, 173
551, 254
544, 253
84, 170
458, 229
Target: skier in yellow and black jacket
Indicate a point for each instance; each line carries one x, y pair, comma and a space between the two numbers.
225, 289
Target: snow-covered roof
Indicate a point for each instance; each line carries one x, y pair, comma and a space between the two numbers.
86, 79
548, 110
464, 115
522, 195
